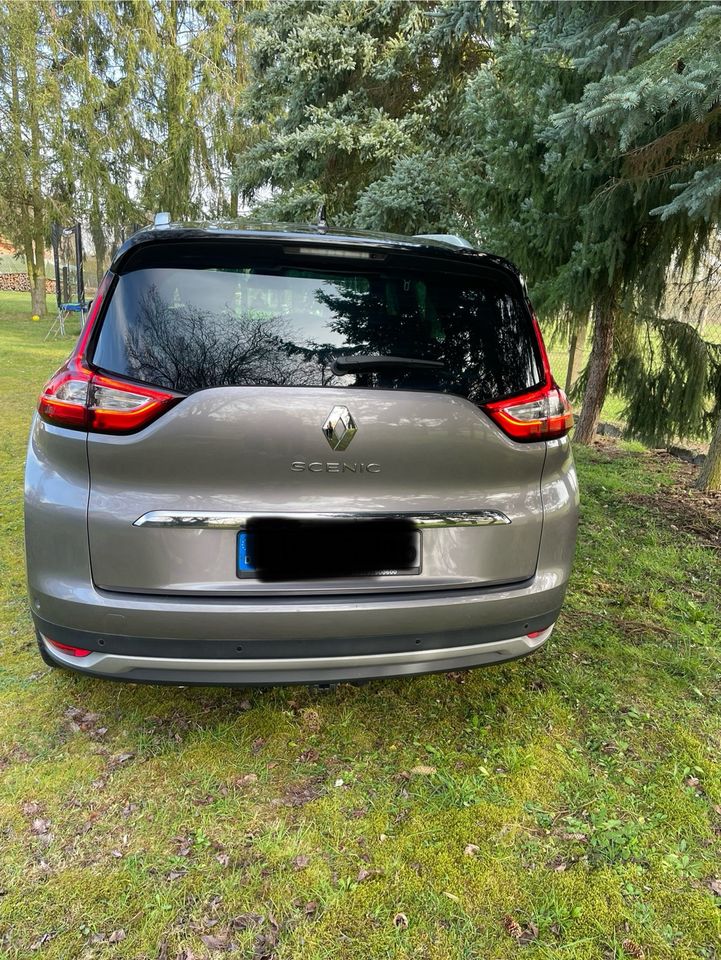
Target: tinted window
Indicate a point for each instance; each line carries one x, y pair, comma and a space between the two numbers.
267, 325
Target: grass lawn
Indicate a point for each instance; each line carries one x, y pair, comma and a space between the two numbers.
563, 806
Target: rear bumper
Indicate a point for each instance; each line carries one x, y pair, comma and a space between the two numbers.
296, 639
151, 668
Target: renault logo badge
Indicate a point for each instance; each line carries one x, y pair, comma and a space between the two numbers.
340, 428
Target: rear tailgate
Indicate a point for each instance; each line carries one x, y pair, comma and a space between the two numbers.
251, 451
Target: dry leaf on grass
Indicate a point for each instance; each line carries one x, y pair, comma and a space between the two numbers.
400, 921
214, 942
185, 845
85, 721
264, 946
471, 850
245, 779
299, 794
244, 921
529, 933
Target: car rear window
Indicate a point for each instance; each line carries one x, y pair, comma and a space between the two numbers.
281, 324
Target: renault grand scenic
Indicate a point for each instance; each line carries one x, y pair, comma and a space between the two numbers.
293, 454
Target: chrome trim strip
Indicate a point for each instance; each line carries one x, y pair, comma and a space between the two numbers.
229, 520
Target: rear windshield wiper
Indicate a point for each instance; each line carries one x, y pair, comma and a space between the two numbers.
368, 362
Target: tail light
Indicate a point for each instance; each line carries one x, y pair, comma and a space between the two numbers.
80, 399
543, 414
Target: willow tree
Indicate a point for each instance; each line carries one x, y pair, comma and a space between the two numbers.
99, 54
230, 132
184, 53
30, 134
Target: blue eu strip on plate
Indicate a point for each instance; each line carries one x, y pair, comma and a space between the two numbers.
243, 562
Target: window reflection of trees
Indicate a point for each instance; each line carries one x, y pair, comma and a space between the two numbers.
187, 348
481, 336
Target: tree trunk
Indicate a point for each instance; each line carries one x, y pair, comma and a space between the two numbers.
37, 287
575, 355
37, 202
710, 476
100, 244
27, 212
37, 296
599, 365
238, 130
36, 278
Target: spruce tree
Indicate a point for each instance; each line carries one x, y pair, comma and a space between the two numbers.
571, 114
354, 104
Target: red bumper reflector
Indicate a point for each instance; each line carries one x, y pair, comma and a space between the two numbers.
66, 648
536, 633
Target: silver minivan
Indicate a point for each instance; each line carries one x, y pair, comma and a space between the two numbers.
299, 455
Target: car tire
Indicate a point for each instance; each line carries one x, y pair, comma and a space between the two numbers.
45, 655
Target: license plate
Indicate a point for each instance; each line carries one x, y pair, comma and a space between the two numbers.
275, 549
